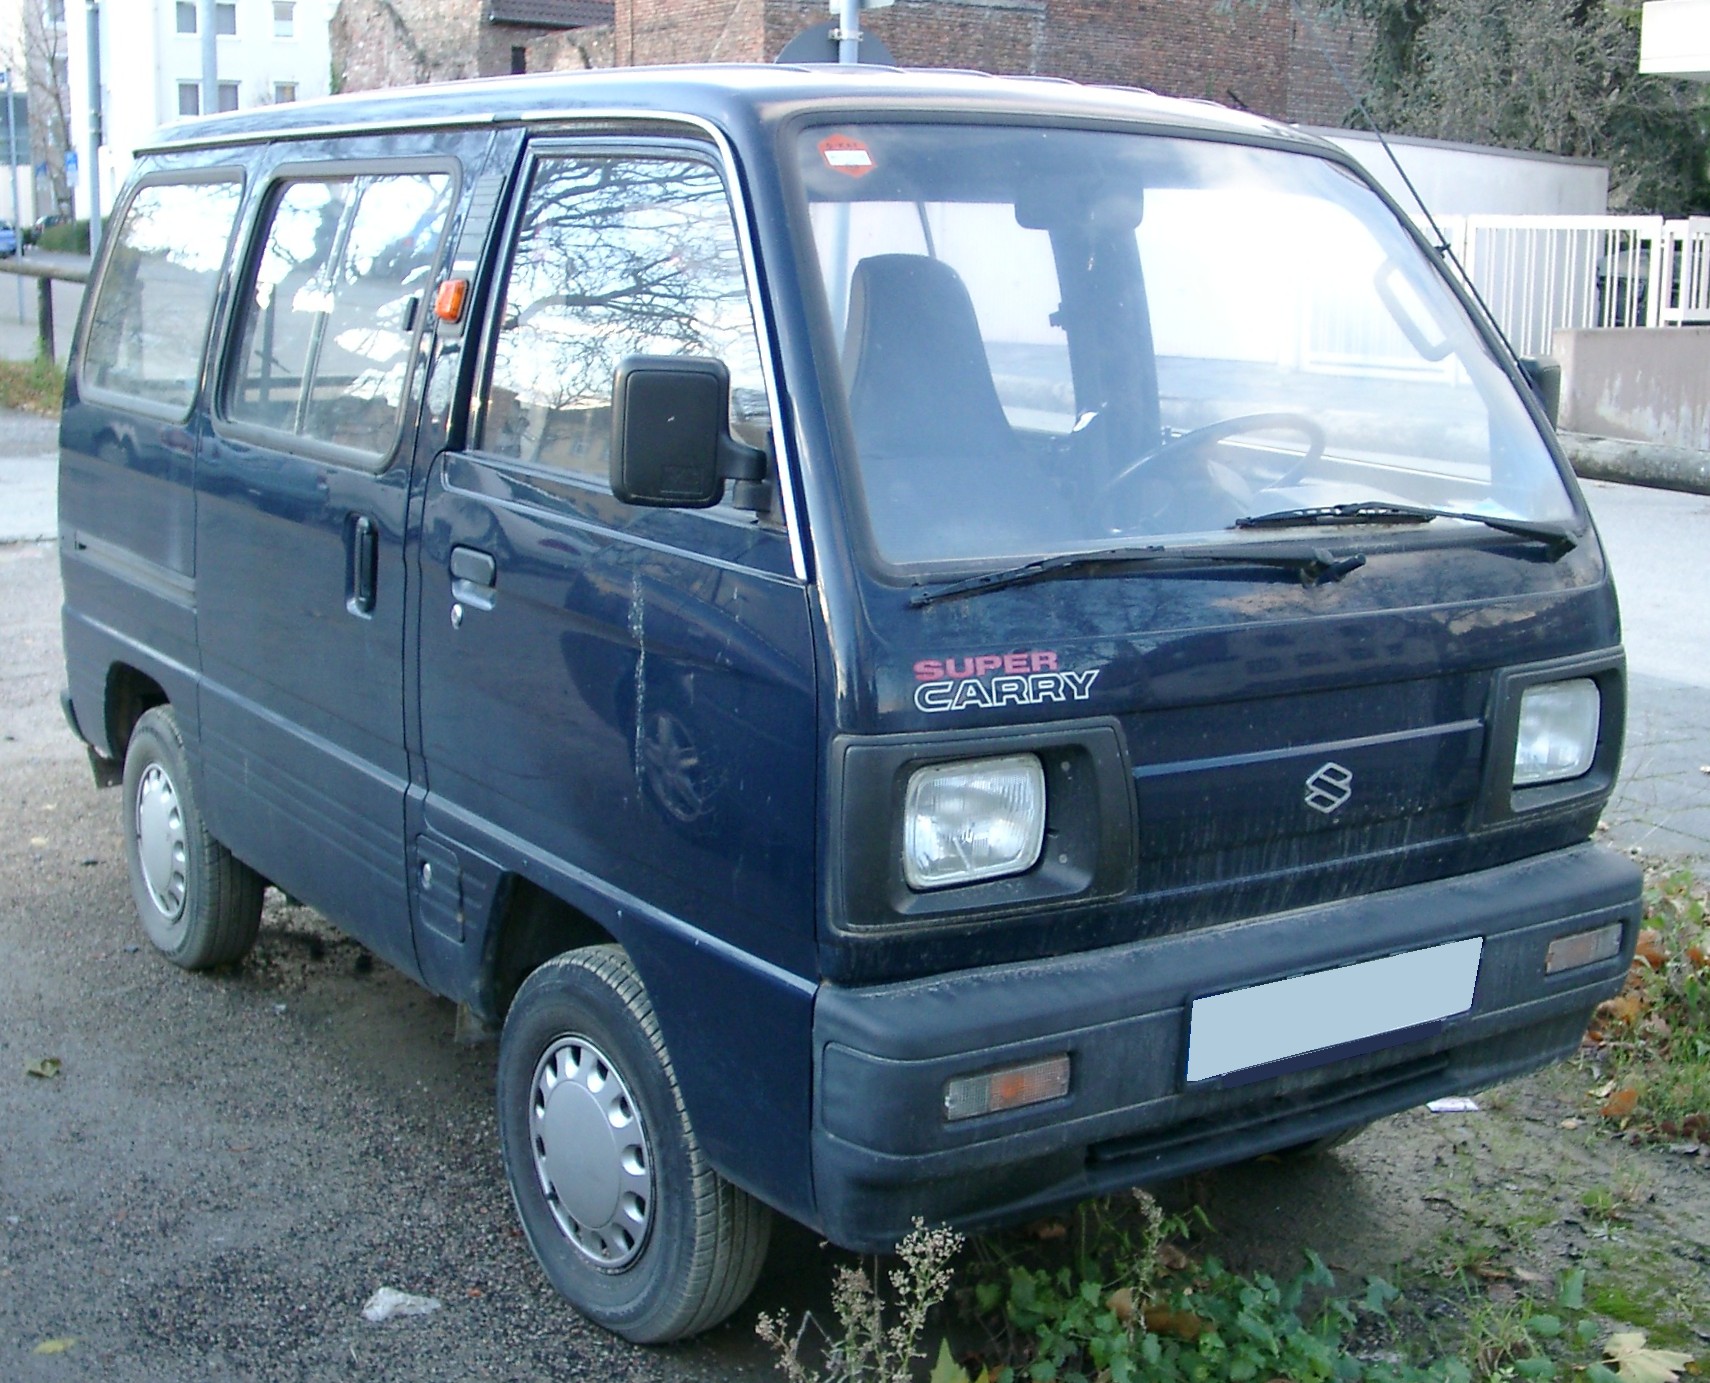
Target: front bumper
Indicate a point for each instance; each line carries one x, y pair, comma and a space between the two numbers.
883, 1153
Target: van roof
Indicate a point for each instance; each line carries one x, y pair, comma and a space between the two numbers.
729, 95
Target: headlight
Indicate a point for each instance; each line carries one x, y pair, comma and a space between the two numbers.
1558, 731
976, 820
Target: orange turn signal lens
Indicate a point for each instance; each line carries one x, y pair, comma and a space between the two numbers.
1008, 1087
448, 302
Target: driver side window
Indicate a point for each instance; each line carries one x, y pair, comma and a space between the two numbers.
616, 255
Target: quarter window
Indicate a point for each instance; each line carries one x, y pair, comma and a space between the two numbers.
150, 317
616, 256
333, 307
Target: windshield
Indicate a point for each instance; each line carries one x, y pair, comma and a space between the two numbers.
1053, 340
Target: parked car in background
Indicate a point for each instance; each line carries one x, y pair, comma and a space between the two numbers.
8, 239
33, 232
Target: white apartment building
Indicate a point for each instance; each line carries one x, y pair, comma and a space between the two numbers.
269, 51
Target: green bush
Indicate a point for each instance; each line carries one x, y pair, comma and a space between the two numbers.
71, 237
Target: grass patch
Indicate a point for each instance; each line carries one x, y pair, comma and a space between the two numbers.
34, 386
1650, 1045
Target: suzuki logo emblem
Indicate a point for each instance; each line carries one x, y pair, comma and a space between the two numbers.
1329, 787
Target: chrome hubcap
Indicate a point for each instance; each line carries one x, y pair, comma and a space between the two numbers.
591, 1153
161, 847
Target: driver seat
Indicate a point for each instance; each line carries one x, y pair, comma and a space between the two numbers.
920, 385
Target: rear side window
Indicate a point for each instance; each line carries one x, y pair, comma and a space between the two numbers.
150, 319
329, 317
615, 256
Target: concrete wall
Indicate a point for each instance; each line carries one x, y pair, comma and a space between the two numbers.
1468, 180
1641, 385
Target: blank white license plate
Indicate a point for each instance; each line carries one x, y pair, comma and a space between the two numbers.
1275, 1022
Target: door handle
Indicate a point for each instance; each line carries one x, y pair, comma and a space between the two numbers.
364, 564
474, 577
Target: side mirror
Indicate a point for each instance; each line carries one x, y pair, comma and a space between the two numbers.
671, 442
1545, 376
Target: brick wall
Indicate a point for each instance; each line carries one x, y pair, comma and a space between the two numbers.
1251, 56
1315, 96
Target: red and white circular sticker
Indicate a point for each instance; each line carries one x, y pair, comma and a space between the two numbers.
842, 154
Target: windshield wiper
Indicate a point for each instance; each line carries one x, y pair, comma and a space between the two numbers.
1556, 538
1313, 568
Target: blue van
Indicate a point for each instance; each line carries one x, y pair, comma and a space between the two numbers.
925, 645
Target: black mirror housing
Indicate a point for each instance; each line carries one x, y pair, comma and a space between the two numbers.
671, 442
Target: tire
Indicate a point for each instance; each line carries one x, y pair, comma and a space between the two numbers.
199, 904
628, 1220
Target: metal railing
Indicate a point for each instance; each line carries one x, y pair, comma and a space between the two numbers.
44, 269
1544, 274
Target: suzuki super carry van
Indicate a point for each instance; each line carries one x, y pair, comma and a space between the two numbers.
926, 645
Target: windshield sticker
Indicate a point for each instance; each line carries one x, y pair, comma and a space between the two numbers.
845, 155
998, 679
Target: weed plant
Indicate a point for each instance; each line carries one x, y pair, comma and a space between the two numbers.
1651, 1043
35, 386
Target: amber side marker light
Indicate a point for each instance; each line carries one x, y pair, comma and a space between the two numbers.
448, 302
1008, 1087
1582, 948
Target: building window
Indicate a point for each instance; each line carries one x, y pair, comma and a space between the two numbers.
186, 16
284, 19
189, 98
228, 95
225, 19
284, 93
519, 61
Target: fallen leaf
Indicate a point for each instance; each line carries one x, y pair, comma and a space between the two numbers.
1603, 1091
1623, 1008
45, 1069
1183, 1325
1569, 1124
1172, 1260
1650, 949
1120, 1304
1637, 1364
1047, 1230
1621, 1104
58, 1345
1698, 956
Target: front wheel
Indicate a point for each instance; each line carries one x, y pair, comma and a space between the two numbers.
622, 1210
200, 905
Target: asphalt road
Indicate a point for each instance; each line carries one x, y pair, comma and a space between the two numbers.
226, 1166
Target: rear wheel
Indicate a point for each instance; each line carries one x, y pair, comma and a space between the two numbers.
621, 1208
199, 904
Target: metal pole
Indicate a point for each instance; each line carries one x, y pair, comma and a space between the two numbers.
210, 60
849, 31
12, 153
95, 135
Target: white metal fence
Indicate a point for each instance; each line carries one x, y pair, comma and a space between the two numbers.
1541, 274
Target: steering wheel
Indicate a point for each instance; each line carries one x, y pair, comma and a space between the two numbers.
1189, 443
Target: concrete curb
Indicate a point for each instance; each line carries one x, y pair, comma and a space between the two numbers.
1638, 463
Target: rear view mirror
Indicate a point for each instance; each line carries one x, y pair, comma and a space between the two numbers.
671, 442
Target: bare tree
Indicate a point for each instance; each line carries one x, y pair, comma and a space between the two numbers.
43, 64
